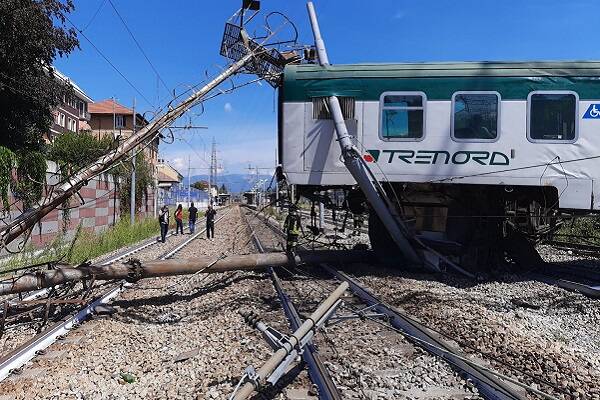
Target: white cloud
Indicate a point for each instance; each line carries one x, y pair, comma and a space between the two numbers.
228, 107
177, 163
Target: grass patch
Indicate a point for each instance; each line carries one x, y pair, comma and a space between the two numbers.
89, 245
86, 246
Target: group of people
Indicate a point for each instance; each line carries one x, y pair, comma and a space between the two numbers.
163, 219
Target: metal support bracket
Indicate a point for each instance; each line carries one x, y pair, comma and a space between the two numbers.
250, 376
346, 317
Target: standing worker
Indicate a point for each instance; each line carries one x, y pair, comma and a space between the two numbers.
163, 219
292, 227
179, 219
193, 213
210, 222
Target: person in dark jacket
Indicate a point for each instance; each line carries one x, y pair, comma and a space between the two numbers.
193, 214
163, 219
210, 222
179, 219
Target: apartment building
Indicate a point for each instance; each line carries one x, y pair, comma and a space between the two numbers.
72, 114
108, 117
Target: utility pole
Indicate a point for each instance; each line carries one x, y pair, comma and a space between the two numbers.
155, 172
132, 194
277, 205
213, 168
114, 119
359, 170
209, 187
189, 197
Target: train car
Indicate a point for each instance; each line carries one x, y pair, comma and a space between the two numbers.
465, 150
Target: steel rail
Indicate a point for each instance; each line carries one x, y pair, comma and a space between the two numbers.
487, 383
27, 351
319, 375
137, 248
587, 290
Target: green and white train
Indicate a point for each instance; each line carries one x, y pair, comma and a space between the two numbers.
465, 147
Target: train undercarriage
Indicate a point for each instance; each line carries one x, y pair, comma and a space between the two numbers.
479, 227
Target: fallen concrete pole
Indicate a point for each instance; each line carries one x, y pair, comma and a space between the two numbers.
293, 342
148, 269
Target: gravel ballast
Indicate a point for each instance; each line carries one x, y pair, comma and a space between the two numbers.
134, 353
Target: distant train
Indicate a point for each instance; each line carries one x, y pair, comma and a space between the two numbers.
467, 150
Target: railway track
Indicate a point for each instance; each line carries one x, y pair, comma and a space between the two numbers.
14, 361
155, 327
370, 310
319, 375
546, 317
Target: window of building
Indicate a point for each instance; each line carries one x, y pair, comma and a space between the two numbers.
475, 116
62, 120
553, 116
402, 115
119, 121
81, 108
72, 125
321, 108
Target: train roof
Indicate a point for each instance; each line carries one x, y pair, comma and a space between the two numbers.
444, 69
513, 80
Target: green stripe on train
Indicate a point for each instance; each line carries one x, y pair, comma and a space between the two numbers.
514, 81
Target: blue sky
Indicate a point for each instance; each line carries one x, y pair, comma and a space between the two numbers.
182, 39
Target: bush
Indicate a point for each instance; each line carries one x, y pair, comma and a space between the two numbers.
585, 229
73, 151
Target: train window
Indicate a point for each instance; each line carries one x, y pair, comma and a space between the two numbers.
475, 116
402, 115
552, 116
321, 110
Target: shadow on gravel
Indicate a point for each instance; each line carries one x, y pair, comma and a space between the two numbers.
382, 271
130, 308
582, 271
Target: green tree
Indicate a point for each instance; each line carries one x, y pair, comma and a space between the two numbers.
223, 189
73, 151
200, 185
32, 34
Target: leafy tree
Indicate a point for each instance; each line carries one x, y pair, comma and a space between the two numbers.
223, 189
29, 43
32, 34
200, 185
73, 151
143, 179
